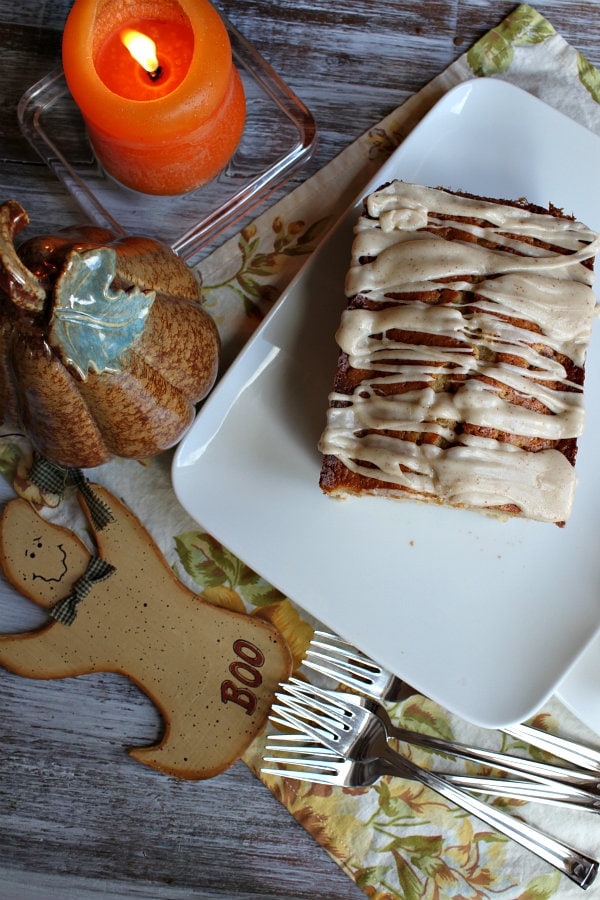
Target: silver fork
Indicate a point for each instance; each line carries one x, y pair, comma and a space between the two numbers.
367, 742
337, 659
298, 749
307, 699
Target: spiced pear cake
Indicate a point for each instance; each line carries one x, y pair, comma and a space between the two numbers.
462, 354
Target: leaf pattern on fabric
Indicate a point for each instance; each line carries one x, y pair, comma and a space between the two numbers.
208, 562
589, 77
543, 722
541, 888
288, 240
530, 26
423, 715
493, 53
382, 143
211, 565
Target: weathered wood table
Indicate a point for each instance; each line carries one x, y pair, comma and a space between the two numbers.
78, 818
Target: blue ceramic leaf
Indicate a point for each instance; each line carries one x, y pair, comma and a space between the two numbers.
92, 324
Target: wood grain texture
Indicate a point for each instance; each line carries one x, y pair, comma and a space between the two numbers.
79, 819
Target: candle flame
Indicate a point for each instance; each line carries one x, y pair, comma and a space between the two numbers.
142, 48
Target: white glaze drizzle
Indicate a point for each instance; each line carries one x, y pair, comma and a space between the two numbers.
547, 290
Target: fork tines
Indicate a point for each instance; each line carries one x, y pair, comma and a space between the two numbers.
301, 746
305, 758
332, 656
320, 766
316, 712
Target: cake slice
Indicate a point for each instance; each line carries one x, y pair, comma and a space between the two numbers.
462, 354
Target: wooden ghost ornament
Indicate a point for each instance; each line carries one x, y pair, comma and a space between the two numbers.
211, 672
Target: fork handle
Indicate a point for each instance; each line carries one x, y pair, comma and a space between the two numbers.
570, 751
577, 866
533, 791
585, 780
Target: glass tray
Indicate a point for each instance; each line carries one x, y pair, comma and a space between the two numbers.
279, 137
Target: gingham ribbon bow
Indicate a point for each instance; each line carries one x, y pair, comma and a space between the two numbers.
97, 570
52, 477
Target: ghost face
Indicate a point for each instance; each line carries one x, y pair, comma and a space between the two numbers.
43, 560
39, 558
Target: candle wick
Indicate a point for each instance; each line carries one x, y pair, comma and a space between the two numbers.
155, 75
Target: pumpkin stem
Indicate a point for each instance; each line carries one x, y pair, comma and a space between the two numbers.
16, 280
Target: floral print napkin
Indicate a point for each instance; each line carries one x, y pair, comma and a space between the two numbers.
395, 839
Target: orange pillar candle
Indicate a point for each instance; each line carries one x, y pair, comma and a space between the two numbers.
163, 129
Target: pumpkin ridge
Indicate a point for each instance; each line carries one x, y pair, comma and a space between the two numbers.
143, 360
52, 409
185, 348
139, 412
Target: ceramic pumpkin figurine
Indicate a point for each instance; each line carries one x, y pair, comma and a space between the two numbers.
104, 346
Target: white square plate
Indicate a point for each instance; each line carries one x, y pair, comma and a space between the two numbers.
483, 616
